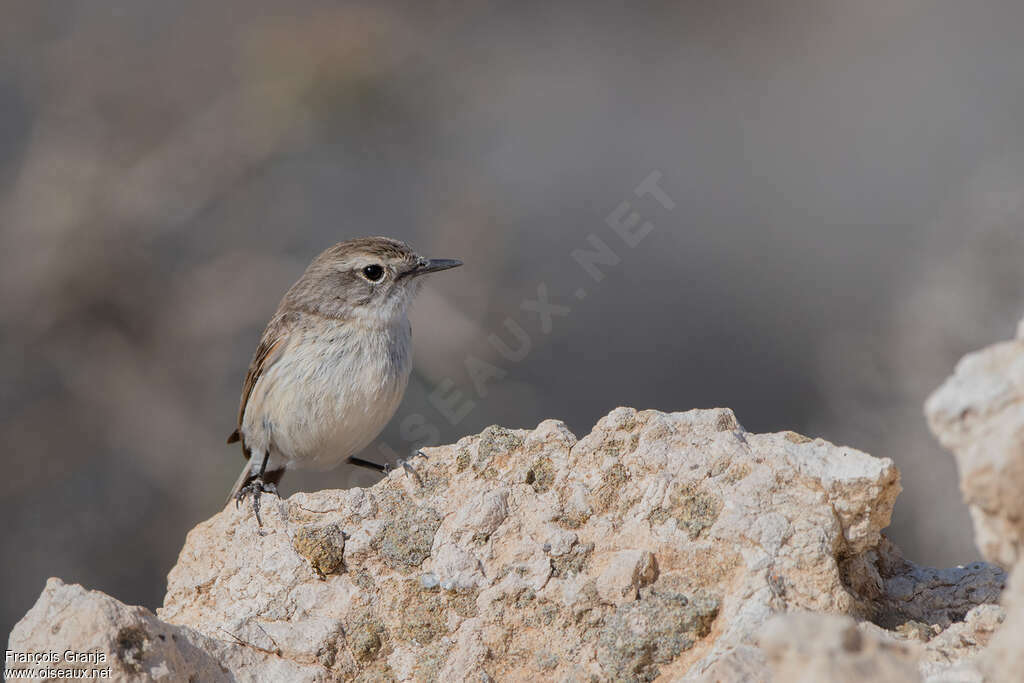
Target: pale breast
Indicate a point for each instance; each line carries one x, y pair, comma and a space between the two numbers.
333, 390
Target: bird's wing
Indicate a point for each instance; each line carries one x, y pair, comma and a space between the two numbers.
267, 353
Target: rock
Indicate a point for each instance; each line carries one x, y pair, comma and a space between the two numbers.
1004, 659
659, 545
910, 593
742, 664
816, 647
133, 643
640, 635
950, 655
623, 574
323, 546
978, 413
808, 648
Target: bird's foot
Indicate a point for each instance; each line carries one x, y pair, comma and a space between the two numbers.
257, 487
406, 464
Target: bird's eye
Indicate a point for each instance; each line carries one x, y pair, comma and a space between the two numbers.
373, 273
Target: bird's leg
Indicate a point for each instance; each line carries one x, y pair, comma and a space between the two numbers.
404, 463
368, 464
257, 484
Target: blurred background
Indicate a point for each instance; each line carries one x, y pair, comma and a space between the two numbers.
848, 182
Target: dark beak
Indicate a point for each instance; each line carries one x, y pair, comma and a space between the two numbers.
433, 265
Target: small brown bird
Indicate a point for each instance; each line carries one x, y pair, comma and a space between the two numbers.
332, 364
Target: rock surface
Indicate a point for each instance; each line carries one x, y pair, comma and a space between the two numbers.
658, 546
532, 554
808, 648
1005, 655
978, 413
133, 642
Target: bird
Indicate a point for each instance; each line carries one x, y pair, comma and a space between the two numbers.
332, 364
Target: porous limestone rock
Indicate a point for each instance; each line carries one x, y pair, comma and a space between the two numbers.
614, 556
978, 413
659, 545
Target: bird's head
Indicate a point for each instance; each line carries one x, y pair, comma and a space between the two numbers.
371, 280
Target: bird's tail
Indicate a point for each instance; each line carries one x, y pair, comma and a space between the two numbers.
242, 478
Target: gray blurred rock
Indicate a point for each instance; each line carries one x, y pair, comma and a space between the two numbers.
978, 413
658, 545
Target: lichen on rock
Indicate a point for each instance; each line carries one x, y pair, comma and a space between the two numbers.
405, 537
640, 635
323, 546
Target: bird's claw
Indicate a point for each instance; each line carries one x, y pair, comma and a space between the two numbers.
257, 487
406, 464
